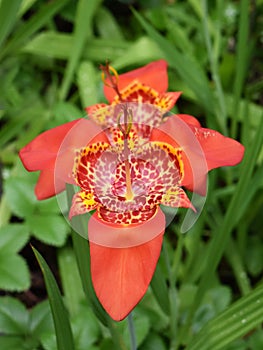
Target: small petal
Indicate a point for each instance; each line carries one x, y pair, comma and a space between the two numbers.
167, 101
153, 74
176, 197
121, 276
82, 203
98, 113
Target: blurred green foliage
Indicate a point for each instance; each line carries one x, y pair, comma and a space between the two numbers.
207, 292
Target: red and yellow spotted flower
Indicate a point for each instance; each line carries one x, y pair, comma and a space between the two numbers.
127, 159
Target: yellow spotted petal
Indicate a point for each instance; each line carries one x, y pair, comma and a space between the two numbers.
82, 202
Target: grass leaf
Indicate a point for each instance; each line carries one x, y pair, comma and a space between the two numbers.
82, 31
240, 318
59, 312
8, 12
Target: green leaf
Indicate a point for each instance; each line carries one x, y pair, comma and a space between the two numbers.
46, 12
70, 279
254, 256
88, 81
160, 289
82, 30
57, 45
239, 318
153, 342
221, 236
20, 196
48, 341
8, 12
40, 319
14, 342
50, 229
66, 112
187, 67
14, 273
13, 316
107, 25
140, 52
86, 335
13, 237
59, 312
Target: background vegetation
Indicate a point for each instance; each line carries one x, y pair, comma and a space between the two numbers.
207, 292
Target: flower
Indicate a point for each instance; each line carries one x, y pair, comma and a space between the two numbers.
143, 85
127, 159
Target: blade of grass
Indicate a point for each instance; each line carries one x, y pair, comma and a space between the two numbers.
82, 31
37, 21
25, 6
160, 290
88, 80
70, 279
242, 61
64, 335
58, 45
221, 111
8, 12
187, 68
237, 321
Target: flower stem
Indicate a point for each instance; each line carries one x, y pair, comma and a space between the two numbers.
132, 332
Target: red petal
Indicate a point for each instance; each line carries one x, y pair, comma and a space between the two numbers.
167, 101
54, 151
219, 150
42, 151
153, 75
121, 276
189, 119
45, 187
179, 134
124, 236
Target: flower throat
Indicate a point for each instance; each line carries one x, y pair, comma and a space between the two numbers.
125, 127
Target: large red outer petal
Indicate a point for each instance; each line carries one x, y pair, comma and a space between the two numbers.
53, 153
153, 74
41, 152
121, 276
219, 150
45, 187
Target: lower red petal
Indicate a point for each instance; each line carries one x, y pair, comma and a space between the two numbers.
121, 276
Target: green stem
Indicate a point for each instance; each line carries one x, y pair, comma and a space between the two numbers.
173, 301
132, 332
